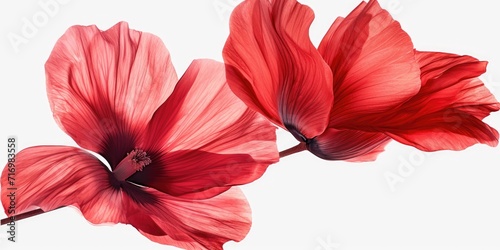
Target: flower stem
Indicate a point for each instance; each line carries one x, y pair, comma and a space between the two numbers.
24, 215
295, 149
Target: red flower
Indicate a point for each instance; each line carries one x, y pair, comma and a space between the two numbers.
364, 85
174, 149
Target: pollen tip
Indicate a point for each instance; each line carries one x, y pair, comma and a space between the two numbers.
135, 161
140, 159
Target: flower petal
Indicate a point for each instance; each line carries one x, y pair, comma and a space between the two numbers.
351, 145
447, 112
104, 86
200, 224
447, 75
192, 171
203, 137
274, 68
373, 64
49, 177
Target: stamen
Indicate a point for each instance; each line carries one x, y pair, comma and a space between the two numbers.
133, 162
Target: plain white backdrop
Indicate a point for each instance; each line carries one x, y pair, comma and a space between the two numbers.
443, 200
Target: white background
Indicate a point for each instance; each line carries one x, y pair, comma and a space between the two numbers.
450, 201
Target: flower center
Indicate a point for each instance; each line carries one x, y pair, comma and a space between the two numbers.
133, 162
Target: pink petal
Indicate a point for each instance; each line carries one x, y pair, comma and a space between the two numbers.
205, 137
447, 112
351, 145
200, 224
104, 86
274, 68
49, 177
373, 64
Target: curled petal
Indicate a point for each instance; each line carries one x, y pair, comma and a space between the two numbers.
274, 68
447, 112
204, 137
447, 130
104, 86
447, 75
351, 145
373, 64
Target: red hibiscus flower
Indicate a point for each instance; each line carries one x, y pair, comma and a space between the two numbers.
362, 87
174, 147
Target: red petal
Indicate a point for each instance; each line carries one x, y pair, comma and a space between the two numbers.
349, 145
104, 86
274, 68
447, 112
447, 75
206, 137
452, 130
192, 171
200, 224
373, 64
49, 177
